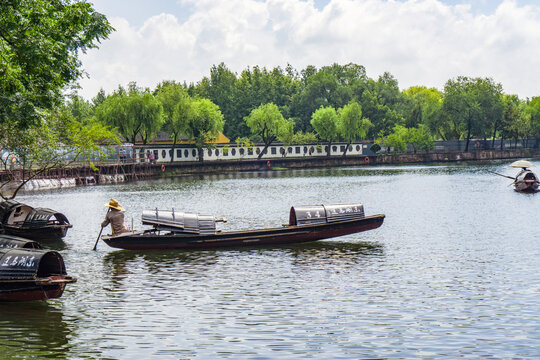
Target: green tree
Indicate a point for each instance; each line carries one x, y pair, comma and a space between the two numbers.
205, 124
59, 140
134, 113
352, 126
424, 107
40, 41
473, 105
146, 110
267, 122
177, 109
325, 121
396, 140
533, 112
418, 138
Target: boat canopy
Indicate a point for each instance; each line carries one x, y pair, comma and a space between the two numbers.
321, 214
10, 241
15, 213
30, 264
170, 220
522, 164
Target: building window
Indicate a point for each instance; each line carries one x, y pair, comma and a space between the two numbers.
233, 152
357, 147
163, 154
297, 149
194, 153
178, 153
186, 153
273, 151
217, 152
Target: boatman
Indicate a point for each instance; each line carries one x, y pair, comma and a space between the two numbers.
115, 216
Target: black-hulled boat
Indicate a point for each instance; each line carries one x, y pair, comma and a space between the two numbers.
525, 181
178, 230
32, 223
28, 272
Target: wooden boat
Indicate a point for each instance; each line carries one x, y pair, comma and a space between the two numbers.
32, 223
525, 180
180, 230
28, 272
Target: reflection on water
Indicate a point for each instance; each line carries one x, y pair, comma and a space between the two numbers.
37, 327
452, 272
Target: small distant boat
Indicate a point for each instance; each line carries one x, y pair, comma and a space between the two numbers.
28, 272
32, 223
525, 180
178, 230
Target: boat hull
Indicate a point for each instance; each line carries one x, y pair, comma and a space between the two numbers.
40, 233
527, 187
273, 236
23, 291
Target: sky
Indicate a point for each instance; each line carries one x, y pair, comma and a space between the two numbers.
420, 42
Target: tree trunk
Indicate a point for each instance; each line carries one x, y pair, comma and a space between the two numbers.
201, 154
329, 149
263, 151
346, 148
468, 137
173, 147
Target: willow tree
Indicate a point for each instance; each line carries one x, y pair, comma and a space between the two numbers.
325, 122
268, 123
57, 141
134, 113
177, 109
352, 126
204, 125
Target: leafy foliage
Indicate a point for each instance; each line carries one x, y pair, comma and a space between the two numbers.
39, 45
58, 141
267, 122
352, 126
325, 121
205, 124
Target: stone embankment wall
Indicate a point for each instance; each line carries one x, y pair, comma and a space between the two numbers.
106, 175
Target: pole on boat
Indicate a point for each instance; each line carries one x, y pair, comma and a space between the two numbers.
95, 245
506, 176
100, 231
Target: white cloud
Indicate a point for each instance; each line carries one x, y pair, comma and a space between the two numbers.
421, 42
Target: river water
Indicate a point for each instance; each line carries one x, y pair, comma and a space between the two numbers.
452, 273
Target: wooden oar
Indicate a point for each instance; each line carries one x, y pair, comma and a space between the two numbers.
506, 176
100, 231
95, 245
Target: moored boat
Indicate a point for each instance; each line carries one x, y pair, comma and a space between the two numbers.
32, 223
526, 180
178, 230
28, 272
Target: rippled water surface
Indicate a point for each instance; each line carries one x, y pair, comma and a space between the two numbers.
453, 272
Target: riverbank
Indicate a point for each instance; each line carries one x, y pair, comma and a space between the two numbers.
336, 161
125, 172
